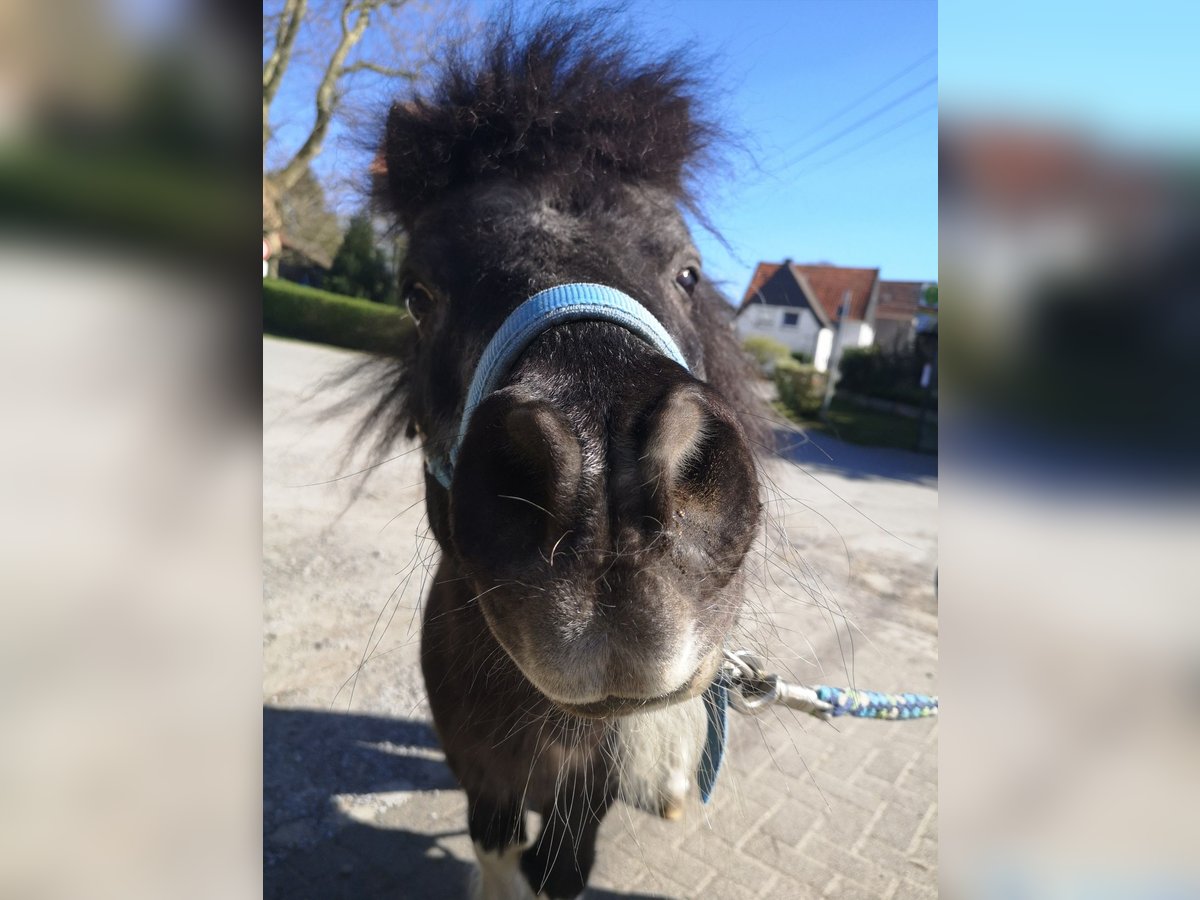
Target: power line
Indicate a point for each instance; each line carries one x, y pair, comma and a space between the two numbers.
858, 123
874, 137
867, 96
838, 157
888, 148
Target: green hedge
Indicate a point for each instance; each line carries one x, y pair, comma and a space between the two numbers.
888, 376
294, 311
801, 388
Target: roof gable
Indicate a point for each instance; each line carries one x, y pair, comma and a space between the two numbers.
782, 286
824, 285
762, 274
830, 284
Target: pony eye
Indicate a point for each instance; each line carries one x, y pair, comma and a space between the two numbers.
417, 300
688, 279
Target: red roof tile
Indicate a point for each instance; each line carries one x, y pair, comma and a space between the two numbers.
762, 275
898, 300
830, 283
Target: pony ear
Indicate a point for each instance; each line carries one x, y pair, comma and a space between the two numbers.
387, 168
378, 167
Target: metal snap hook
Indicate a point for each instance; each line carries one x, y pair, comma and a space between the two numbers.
754, 696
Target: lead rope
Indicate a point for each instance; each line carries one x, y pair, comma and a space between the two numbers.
753, 689
744, 683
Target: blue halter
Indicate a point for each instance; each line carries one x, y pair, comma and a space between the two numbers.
545, 309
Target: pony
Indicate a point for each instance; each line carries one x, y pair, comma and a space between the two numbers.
595, 511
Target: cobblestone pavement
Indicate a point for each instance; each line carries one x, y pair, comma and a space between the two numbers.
357, 800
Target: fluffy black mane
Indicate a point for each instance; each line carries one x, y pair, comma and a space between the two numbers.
562, 100
570, 105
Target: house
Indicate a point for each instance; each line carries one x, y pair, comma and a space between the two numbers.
902, 313
800, 305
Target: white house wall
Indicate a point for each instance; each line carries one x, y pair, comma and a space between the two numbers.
760, 320
857, 334
823, 349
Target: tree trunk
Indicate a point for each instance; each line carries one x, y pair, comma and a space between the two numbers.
272, 226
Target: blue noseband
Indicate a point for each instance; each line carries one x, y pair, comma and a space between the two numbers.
556, 306
545, 309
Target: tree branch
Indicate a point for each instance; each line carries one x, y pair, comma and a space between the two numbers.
281, 54
364, 66
327, 96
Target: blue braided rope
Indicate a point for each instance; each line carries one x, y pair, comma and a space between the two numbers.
875, 705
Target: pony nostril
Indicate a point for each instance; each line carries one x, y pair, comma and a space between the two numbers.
516, 483
541, 443
698, 474
679, 430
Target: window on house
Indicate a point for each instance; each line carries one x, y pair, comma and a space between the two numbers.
791, 320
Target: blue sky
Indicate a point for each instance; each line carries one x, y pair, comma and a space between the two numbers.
1129, 74
797, 76
791, 76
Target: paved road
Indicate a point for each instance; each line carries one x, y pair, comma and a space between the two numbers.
357, 800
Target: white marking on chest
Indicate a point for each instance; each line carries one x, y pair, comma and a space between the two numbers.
658, 752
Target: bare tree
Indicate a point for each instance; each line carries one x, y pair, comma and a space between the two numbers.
329, 38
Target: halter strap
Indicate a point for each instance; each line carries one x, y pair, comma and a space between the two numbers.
545, 309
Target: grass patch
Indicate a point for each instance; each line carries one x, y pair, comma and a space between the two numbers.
854, 424
294, 311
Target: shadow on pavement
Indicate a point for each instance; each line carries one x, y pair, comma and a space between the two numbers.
313, 849
821, 452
